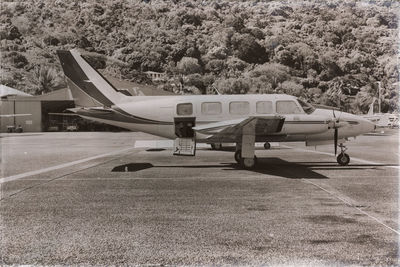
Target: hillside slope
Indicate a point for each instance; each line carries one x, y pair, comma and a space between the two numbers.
319, 51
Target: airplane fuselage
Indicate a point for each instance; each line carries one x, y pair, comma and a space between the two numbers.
158, 115
242, 119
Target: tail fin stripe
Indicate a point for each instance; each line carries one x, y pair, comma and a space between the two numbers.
86, 79
101, 75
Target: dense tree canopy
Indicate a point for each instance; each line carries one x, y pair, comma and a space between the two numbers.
319, 51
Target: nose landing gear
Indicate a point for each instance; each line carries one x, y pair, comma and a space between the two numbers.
238, 156
343, 158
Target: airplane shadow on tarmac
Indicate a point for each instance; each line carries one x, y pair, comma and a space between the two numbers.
268, 166
334, 166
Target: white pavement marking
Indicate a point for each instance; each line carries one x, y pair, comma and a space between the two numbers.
351, 205
331, 154
154, 143
68, 164
161, 144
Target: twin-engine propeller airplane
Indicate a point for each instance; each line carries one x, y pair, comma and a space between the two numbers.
213, 119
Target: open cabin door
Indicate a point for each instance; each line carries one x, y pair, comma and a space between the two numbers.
185, 143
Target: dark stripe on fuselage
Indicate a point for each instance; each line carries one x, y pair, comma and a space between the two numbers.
148, 121
75, 73
305, 122
113, 115
353, 122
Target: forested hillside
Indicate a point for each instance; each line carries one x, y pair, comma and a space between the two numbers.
318, 50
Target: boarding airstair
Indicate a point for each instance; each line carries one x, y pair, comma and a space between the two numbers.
184, 147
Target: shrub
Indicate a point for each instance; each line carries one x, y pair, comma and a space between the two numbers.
189, 65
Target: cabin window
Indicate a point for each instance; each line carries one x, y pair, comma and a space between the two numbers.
307, 107
264, 107
239, 108
211, 108
287, 107
184, 109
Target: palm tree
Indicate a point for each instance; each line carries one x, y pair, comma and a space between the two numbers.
44, 79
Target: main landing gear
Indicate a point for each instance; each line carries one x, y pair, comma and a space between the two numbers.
267, 145
244, 154
216, 146
343, 158
246, 163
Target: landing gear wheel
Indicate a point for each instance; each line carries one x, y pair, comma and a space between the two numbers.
238, 156
343, 159
267, 145
249, 163
216, 146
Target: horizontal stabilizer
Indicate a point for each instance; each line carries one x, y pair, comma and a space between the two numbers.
14, 115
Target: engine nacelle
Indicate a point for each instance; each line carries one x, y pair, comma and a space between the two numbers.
305, 124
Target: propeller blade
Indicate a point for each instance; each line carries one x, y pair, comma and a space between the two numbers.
335, 138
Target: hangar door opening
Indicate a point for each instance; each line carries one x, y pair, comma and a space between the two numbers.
57, 122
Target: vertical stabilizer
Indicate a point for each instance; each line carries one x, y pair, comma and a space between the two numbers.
88, 87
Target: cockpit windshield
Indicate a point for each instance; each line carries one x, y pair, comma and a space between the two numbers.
307, 107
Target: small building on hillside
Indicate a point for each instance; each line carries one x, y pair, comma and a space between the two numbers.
156, 76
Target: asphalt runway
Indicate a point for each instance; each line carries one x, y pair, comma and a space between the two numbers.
107, 198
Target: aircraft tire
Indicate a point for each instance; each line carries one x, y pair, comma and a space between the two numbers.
343, 159
267, 145
216, 146
238, 156
249, 163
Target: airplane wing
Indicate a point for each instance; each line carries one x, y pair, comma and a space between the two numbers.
14, 115
232, 129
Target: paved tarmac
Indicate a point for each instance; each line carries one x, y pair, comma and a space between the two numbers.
104, 198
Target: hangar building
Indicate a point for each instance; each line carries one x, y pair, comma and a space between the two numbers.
19, 109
